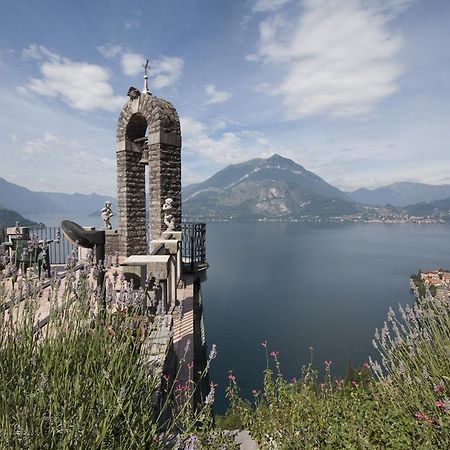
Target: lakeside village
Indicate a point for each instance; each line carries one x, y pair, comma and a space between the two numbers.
360, 218
437, 282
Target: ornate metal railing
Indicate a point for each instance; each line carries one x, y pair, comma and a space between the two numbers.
59, 247
193, 245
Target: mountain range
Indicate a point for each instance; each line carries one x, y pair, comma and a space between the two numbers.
272, 188
276, 187
24, 201
401, 194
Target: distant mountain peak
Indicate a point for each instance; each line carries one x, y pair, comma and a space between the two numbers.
250, 186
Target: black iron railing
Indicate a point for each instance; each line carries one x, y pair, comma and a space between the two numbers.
59, 247
193, 244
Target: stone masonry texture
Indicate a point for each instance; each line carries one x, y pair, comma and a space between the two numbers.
164, 166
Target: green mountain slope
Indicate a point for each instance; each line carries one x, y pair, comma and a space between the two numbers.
273, 188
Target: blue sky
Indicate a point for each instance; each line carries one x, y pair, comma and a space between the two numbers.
355, 90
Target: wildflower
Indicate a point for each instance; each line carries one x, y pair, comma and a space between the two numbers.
255, 393
213, 352
327, 364
423, 417
166, 377
192, 443
439, 387
209, 400
355, 384
294, 380
264, 344
274, 354
366, 365
440, 404
231, 377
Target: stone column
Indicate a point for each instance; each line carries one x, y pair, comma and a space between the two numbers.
164, 180
131, 200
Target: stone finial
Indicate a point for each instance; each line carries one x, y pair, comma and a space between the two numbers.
146, 67
133, 93
169, 219
107, 213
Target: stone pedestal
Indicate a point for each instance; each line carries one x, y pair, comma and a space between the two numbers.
111, 243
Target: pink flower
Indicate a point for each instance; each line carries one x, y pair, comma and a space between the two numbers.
294, 380
256, 393
339, 384
440, 404
274, 354
231, 377
439, 387
355, 384
264, 344
190, 366
423, 417
366, 365
166, 377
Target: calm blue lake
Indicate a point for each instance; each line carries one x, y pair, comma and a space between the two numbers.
300, 285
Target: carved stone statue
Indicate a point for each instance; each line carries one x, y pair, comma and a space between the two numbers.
169, 220
106, 215
133, 93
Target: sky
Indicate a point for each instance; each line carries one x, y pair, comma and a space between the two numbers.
356, 91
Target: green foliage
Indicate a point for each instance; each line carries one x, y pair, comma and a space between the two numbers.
80, 382
402, 404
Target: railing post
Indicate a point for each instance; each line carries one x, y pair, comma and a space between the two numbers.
192, 239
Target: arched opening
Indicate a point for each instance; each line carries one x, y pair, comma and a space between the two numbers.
136, 127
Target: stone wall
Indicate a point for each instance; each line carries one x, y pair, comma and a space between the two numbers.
164, 165
131, 202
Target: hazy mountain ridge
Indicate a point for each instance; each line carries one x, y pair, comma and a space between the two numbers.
17, 198
276, 187
401, 194
437, 208
9, 218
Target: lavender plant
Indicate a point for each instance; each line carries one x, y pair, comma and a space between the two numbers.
79, 382
402, 402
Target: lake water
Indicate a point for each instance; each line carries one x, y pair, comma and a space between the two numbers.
300, 285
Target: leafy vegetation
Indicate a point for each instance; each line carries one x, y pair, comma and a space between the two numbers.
401, 403
421, 286
81, 381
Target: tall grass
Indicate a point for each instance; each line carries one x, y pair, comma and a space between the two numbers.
401, 402
80, 382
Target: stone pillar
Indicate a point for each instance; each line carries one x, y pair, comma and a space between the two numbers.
165, 182
142, 114
131, 201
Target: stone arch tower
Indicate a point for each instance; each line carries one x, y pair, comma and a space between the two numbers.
148, 134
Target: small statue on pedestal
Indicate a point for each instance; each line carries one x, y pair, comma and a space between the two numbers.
106, 215
169, 220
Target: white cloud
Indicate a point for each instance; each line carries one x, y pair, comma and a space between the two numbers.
109, 51
268, 5
228, 147
132, 63
42, 145
81, 85
339, 58
216, 96
130, 24
38, 52
165, 71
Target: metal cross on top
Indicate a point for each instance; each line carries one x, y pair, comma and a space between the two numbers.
146, 67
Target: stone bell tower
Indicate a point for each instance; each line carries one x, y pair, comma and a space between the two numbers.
148, 137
